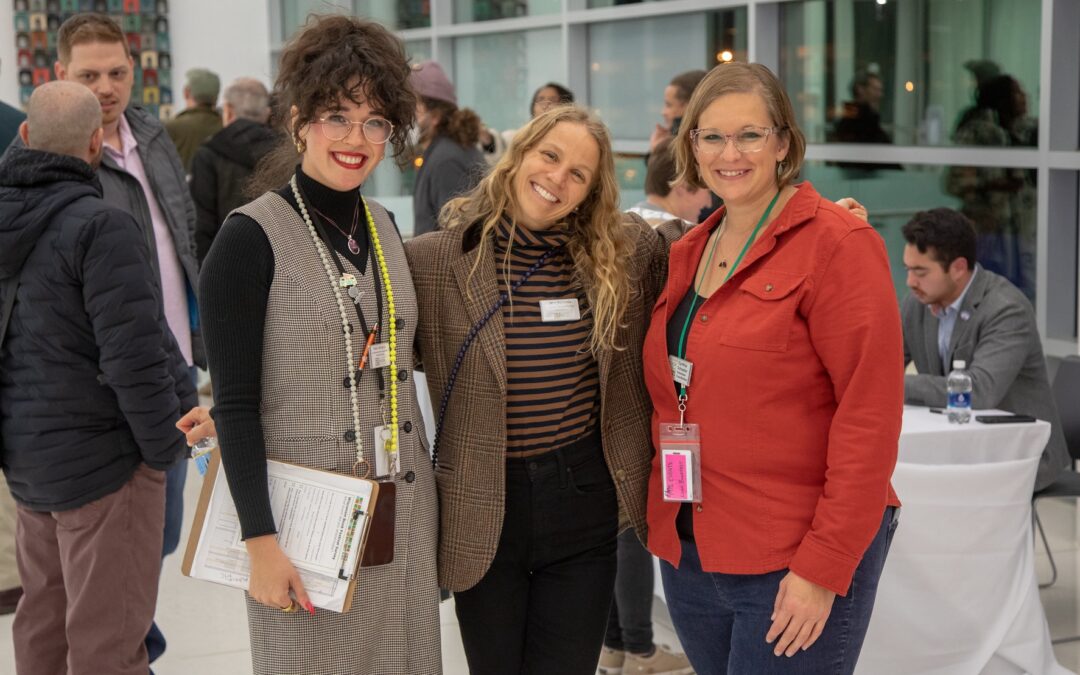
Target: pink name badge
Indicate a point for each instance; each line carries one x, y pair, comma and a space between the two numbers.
677, 477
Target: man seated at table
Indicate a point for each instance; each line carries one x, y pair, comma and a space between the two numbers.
959, 310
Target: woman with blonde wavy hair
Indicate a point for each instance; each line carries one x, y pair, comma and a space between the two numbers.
535, 298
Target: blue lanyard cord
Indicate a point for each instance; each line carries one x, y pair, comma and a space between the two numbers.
708, 266
473, 332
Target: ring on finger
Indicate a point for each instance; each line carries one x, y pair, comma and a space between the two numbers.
291, 608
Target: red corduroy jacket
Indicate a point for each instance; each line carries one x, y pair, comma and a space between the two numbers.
798, 387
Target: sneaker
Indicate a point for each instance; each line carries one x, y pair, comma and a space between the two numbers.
662, 662
611, 661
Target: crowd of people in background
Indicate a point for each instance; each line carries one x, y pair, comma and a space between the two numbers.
557, 333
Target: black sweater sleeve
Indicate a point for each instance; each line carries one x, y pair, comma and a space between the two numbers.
234, 288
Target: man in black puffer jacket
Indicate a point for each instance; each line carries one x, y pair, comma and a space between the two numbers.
91, 385
222, 166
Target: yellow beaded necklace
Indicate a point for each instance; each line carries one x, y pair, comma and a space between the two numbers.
336, 284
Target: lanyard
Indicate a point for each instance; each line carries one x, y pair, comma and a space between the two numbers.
371, 333
697, 287
472, 334
336, 284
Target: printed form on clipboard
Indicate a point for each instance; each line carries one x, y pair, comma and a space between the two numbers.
322, 520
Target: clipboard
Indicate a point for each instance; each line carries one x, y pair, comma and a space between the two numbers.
209, 558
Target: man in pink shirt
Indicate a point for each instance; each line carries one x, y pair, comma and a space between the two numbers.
141, 173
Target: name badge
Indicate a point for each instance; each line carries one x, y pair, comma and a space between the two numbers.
559, 310
680, 462
379, 355
681, 369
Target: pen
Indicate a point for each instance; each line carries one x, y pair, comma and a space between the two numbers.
940, 411
367, 347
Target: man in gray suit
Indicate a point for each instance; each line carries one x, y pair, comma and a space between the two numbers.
958, 310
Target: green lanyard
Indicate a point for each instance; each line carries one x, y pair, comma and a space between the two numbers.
708, 266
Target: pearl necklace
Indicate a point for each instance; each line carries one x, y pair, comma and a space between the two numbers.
391, 445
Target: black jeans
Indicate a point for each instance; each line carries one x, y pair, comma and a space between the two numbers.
542, 606
629, 625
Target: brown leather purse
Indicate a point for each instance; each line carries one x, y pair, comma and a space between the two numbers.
380, 542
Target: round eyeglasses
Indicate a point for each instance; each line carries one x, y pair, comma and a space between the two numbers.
338, 127
750, 139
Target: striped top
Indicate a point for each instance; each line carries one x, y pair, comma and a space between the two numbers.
552, 380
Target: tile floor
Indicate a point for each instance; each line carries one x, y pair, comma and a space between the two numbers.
207, 630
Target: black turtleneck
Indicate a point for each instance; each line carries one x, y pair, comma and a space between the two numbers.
233, 290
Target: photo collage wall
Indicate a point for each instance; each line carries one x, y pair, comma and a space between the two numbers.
145, 24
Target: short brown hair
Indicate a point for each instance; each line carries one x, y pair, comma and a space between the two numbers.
740, 78
84, 28
686, 83
660, 171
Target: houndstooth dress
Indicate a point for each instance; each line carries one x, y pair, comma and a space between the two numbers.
393, 625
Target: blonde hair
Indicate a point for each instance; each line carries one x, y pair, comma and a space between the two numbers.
740, 78
599, 242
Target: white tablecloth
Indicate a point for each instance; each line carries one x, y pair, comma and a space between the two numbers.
959, 595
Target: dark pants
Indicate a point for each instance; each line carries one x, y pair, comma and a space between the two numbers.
629, 625
174, 522
542, 606
722, 619
90, 577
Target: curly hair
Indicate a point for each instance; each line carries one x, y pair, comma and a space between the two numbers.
740, 78
334, 57
599, 242
461, 125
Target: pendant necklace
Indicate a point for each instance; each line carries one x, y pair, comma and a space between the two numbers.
723, 231
354, 247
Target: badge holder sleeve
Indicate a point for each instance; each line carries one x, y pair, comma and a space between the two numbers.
680, 462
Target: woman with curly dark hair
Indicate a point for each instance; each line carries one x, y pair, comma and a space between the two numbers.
294, 287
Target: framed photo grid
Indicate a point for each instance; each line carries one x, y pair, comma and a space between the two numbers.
145, 24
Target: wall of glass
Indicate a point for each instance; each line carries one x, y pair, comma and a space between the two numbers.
496, 74
630, 62
466, 11
1000, 201
970, 104
919, 72
397, 14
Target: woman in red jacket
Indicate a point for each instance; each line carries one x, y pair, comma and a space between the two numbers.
777, 340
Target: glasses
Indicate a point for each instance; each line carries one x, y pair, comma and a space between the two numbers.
338, 127
750, 139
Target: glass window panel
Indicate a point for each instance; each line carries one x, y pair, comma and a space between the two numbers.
631, 62
496, 74
418, 50
396, 14
907, 72
630, 173
466, 11
1000, 201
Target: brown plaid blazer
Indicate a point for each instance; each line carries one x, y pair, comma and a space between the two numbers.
472, 464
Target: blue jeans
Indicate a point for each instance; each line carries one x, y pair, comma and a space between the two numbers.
722, 619
174, 521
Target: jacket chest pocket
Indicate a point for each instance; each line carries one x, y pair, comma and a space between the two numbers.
759, 315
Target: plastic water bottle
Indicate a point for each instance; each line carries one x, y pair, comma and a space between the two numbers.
959, 386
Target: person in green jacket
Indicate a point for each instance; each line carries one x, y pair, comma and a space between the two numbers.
200, 119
